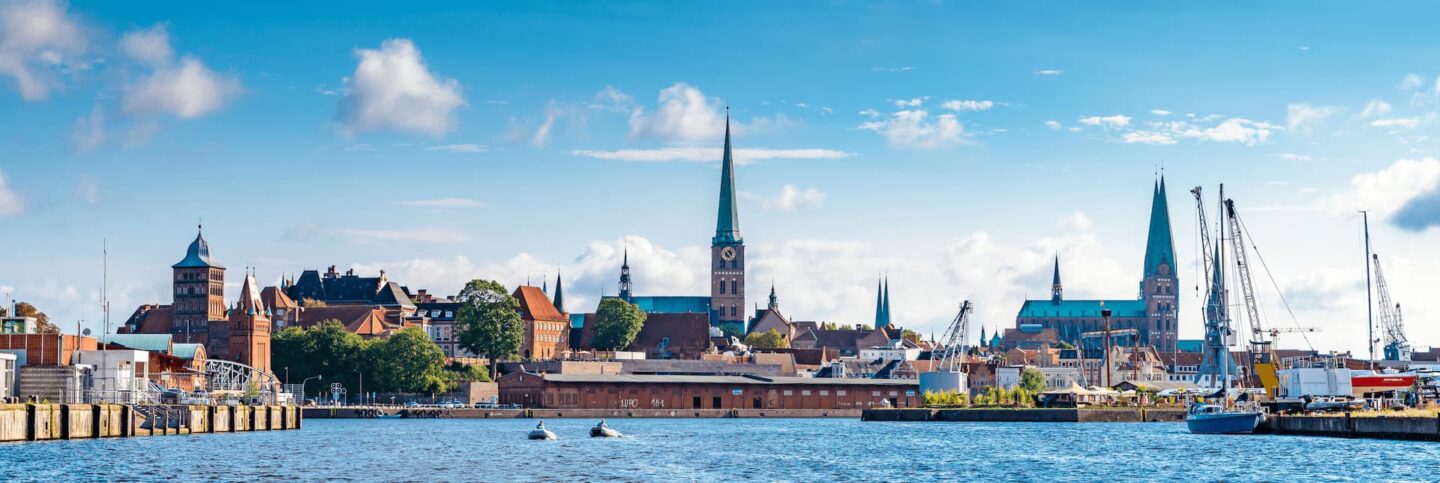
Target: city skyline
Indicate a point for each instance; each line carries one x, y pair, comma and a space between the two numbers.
953, 148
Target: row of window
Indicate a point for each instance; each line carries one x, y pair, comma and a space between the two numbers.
732, 283
435, 313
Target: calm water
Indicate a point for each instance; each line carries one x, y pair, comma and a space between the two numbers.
716, 450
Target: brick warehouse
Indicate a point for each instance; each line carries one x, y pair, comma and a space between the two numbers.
619, 391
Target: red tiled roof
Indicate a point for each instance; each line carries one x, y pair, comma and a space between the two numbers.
274, 298
360, 319
535, 305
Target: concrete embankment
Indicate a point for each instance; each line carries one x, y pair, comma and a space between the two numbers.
1345, 426
41, 422
423, 413
996, 415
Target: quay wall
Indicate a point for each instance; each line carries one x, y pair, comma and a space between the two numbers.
421, 413
1345, 426
997, 415
43, 422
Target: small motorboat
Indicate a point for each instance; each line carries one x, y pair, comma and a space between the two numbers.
541, 433
1213, 419
603, 430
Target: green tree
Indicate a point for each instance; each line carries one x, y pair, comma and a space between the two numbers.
1032, 380
325, 349
407, 361
770, 339
457, 373
42, 321
617, 322
488, 322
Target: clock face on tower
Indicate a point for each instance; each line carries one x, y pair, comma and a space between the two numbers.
727, 254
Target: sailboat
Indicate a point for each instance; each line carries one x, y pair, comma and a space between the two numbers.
1226, 417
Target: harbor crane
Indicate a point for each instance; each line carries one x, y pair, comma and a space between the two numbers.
949, 357
1397, 346
1214, 370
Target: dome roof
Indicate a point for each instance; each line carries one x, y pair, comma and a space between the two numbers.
198, 255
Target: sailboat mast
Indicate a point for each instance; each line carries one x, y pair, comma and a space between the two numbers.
1224, 309
1369, 305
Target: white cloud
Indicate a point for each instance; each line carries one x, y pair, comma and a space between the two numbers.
683, 114
1293, 157
913, 102
1053, 124
1049, 72
1399, 122
443, 203
702, 154
612, 99
88, 132
1302, 117
1147, 137
87, 190
420, 234
393, 88
967, 105
912, 129
1117, 120
891, 69
37, 38
542, 133
1375, 108
1410, 82
460, 148
10, 203
1386, 191
1160, 112
150, 46
1233, 130
790, 198
186, 89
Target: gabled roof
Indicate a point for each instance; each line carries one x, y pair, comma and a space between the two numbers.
274, 299
535, 305
188, 351
249, 301
198, 255
391, 294
151, 319
360, 319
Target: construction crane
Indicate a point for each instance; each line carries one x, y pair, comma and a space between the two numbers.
1262, 356
1276, 331
1397, 346
949, 357
1214, 370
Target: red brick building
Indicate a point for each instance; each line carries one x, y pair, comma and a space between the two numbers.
620, 391
547, 330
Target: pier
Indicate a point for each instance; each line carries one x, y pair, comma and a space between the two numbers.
42, 422
1348, 426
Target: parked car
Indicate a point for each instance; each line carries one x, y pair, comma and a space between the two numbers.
412, 404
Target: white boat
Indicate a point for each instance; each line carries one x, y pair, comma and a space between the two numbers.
1212, 419
540, 433
603, 431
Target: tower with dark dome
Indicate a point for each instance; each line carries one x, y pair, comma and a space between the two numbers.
199, 284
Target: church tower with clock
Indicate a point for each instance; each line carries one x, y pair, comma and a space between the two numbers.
727, 251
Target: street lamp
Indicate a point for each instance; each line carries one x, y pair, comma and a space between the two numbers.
302, 383
1104, 312
362, 386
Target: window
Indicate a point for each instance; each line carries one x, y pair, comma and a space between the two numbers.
805, 392
875, 393
789, 392
824, 392
839, 392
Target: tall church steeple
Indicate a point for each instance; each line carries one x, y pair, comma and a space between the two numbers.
625, 286
774, 301
727, 220
887, 303
727, 250
1056, 291
559, 292
1159, 249
880, 303
1159, 283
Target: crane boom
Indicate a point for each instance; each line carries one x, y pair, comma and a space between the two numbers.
1397, 346
1207, 256
949, 358
1247, 286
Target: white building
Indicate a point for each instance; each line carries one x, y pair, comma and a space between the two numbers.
7, 375
119, 376
1055, 377
902, 350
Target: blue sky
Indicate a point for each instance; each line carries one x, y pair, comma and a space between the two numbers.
954, 146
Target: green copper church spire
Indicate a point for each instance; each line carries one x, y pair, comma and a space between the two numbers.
1160, 249
727, 222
